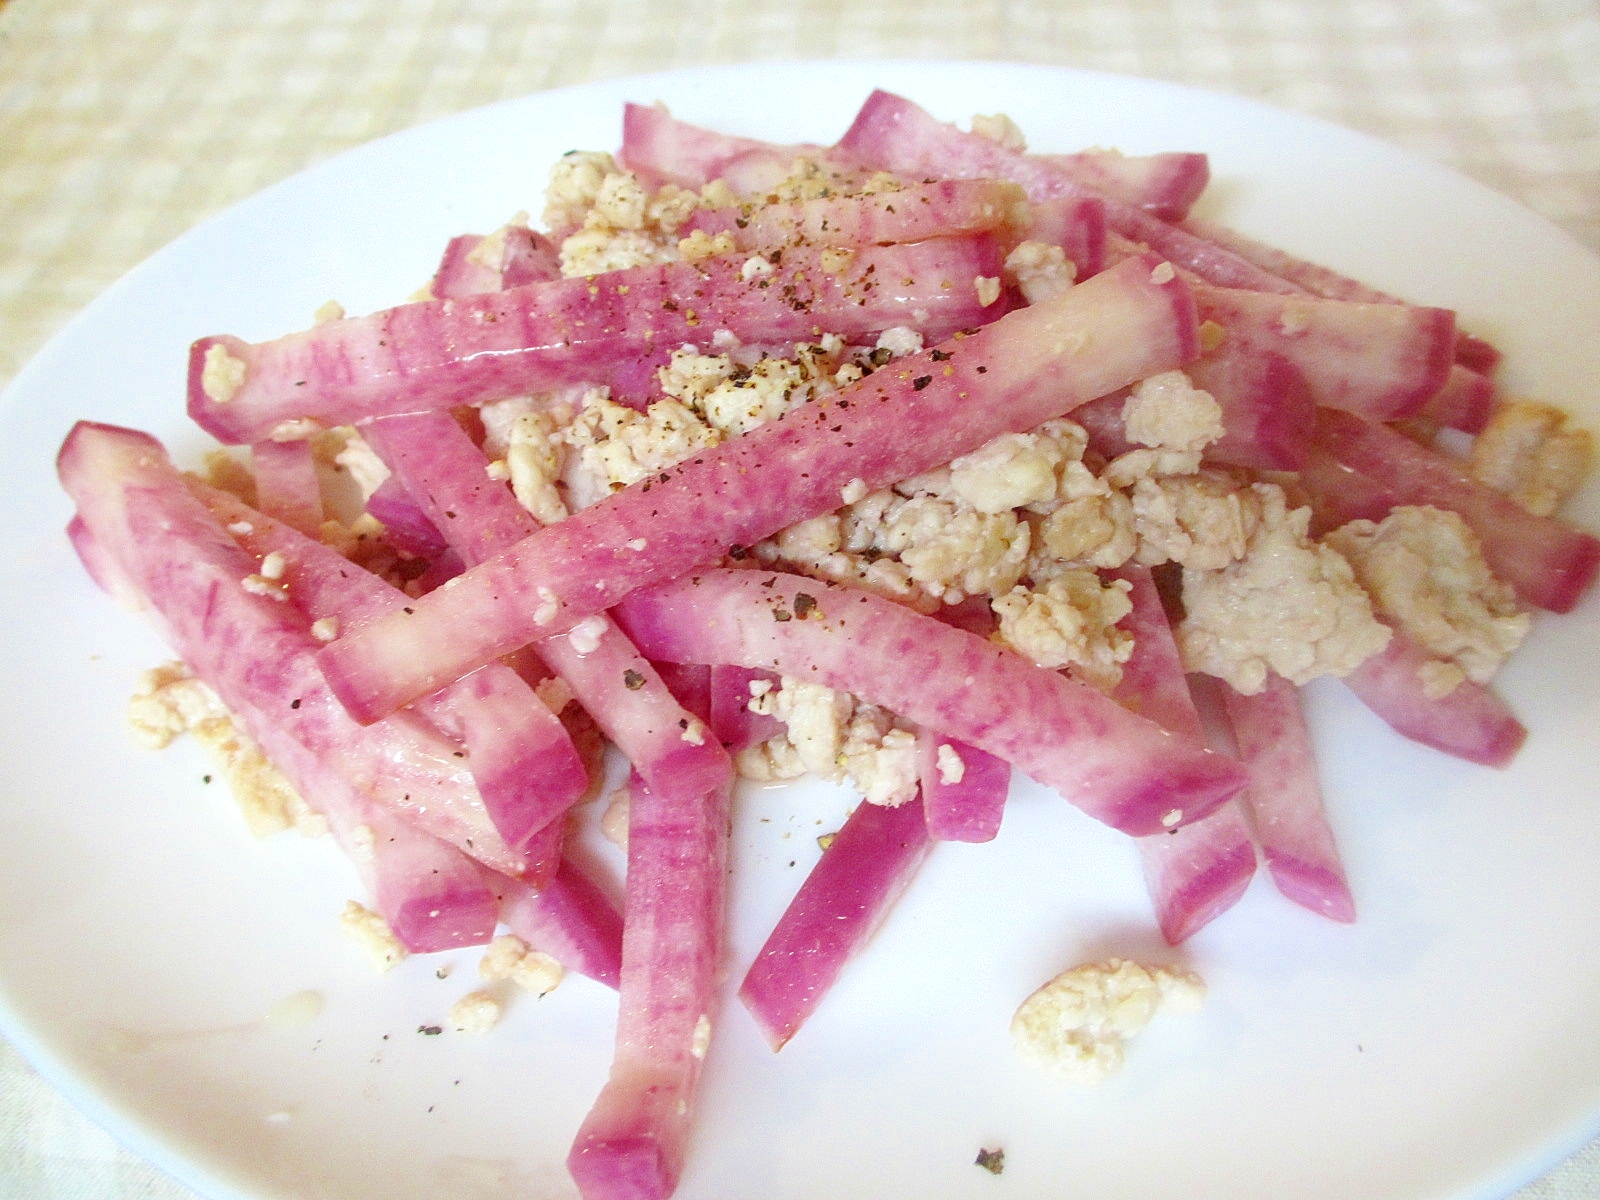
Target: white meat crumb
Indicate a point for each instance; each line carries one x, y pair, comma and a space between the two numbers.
833, 735
1000, 129
731, 398
700, 244
900, 340
1203, 521
608, 218
510, 958
1289, 606
1168, 411
951, 766
614, 818
1070, 622
1012, 470
1040, 270
835, 260
221, 374
953, 551
617, 445
987, 288
1425, 571
1439, 679
1088, 523
373, 934
476, 1012
328, 312
533, 465
573, 185
296, 429
584, 637
261, 585
1530, 452
1077, 1026
169, 702
360, 461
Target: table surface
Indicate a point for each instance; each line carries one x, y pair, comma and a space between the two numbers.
125, 122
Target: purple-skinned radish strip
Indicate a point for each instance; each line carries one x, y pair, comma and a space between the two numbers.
1197, 871
1119, 767
405, 525
1268, 408
1166, 184
943, 208
545, 335
1076, 224
520, 755
893, 134
167, 552
102, 566
1471, 352
432, 456
1549, 563
964, 789
634, 1139
430, 895
732, 721
1268, 412
660, 148
619, 688
844, 900
1382, 361
472, 264
237, 631
1465, 402
573, 918
1285, 798
1035, 363
1469, 721
460, 274
287, 487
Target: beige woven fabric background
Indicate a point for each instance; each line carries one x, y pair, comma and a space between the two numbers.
124, 122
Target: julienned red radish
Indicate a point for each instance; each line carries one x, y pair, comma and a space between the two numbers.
1365, 468
634, 1139
1285, 798
173, 557
1036, 363
623, 691
1117, 766
585, 330
1197, 871
940, 208
520, 755
844, 899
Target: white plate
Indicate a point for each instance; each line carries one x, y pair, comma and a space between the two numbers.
1444, 1046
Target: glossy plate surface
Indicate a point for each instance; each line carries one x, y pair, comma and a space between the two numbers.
188, 986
